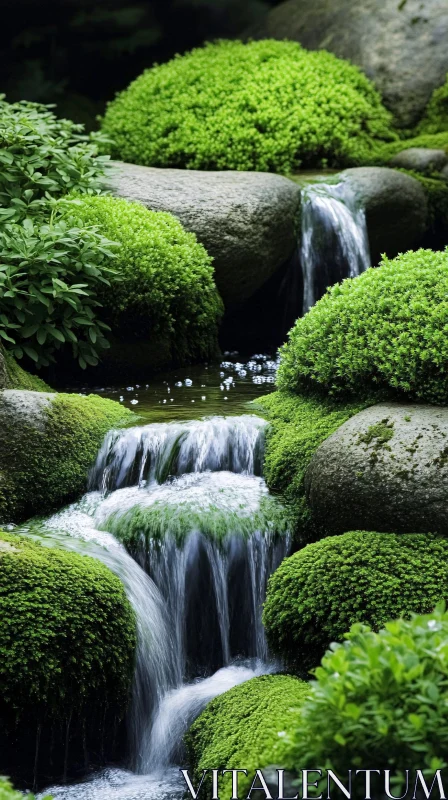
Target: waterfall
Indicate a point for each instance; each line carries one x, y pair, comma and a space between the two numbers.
335, 242
182, 515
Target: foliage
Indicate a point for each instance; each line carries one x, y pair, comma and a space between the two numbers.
7, 792
298, 425
78, 653
166, 286
435, 119
379, 699
46, 463
382, 153
245, 727
265, 105
319, 592
384, 330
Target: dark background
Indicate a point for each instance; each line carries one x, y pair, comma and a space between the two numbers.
79, 53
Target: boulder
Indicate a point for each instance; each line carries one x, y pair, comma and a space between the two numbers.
420, 159
385, 469
396, 208
399, 44
248, 221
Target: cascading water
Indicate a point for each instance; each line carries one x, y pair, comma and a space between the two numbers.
335, 243
180, 513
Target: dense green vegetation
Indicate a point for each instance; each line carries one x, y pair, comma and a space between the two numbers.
45, 462
12, 376
164, 283
245, 727
384, 330
265, 105
7, 792
378, 700
298, 425
435, 119
318, 593
67, 634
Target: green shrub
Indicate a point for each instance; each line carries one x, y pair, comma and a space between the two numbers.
7, 792
45, 457
319, 592
298, 425
385, 330
379, 700
265, 105
435, 119
245, 728
165, 287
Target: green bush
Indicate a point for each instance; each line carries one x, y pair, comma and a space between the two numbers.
435, 119
245, 728
165, 285
319, 592
45, 457
298, 425
383, 331
379, 700
67, 635
265, 105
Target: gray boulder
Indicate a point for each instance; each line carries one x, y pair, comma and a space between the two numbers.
248, 221
396, 208
420, 159
385, 469
400, 44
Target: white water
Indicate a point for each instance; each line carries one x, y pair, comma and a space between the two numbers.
335, 243
204, 585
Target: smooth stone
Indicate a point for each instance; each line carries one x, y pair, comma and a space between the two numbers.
248, 221
385, 469
420, 159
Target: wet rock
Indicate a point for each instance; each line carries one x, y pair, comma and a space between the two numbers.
444, 173
248, 221
396, 208
385, 469
420, 159
399, 44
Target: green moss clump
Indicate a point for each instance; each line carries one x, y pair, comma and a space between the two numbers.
7, 792
385, 330
265, 105
379, 699
245, 728
298, 425
45, 457
15, 377
318, 593
435, 119
67, 634
165, 287
382, 153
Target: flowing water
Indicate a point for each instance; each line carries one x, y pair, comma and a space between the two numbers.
335, 243
180, 512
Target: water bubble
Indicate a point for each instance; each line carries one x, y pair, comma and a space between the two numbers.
121, 398
203, 397
221, 374
188, 382
178, 383
129, 388
134, 402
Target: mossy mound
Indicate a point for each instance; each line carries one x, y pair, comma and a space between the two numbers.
379, 699
246, 728
165, 288
13, 376
383, 331
267, 105
48, 442
298, 425
435, 119
67, 642
318, 593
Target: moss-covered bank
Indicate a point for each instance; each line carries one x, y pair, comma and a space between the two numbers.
48, 442
13, 376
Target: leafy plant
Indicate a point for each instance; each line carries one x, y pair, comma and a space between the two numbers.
318, 593
385, 330
265, 105
49, 276
379, 699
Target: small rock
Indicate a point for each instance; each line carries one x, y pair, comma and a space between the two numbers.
420, 159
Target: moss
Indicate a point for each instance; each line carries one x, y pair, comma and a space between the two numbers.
45, 459
382, 331
298, 425
15, 377
435, 119
245, 728
436, 190
7, 792
164, 290
265, 105
382, 153
318, 593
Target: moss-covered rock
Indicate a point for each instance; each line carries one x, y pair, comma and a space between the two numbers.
48, 442
13, 376
385, 330
267, 106
67, 641
435, 118
246, 727
165, 291
319, 592
298, 425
